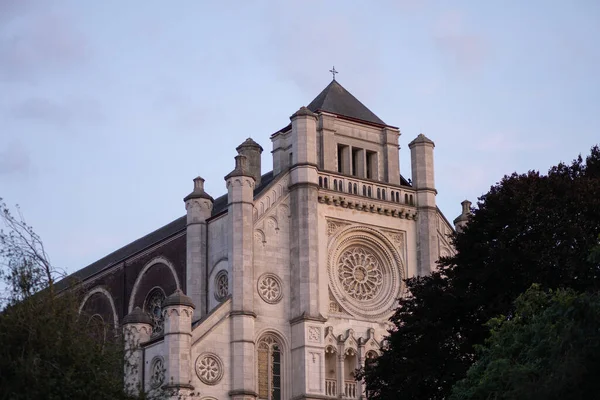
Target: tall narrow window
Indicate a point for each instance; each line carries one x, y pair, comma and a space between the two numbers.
371, 165
153, 307
356, 162
340, 158
269, 368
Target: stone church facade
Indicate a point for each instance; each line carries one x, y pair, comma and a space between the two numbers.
282, 287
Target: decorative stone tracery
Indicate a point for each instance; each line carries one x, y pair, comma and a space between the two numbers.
209, 368
365, 272
153, 307
157, 372
270, 288
359, 272
221, 285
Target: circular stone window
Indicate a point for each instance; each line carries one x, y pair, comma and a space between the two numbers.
365, 272
209, 368
157, 371
221, 285
269, 288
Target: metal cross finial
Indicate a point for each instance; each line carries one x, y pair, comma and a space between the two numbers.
333, 72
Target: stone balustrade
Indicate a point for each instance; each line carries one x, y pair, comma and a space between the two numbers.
374, 190
350, 389
330, 388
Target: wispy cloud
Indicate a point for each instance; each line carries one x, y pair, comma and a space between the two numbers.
34, 39
465, 50
14, 158
512, 142
302, 42
58, 113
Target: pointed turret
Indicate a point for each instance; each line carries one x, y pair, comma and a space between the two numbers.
461, 221
252, 151
198, 205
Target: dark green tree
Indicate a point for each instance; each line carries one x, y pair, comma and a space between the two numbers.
528, 228
549, 349
48, 349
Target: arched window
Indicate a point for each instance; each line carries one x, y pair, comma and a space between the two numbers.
320, 181
405, 198
378, 193
397, 197
335, 184
355, 189
153, 307
326, 183
383, 194
350, 366
349, 187
97, 328
364, 190
369, 191
331, 372
269, 368
412, 202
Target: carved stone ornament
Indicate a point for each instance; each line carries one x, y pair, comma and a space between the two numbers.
365, 272
314, 334
153, 307
157, 372
360, 273
270, 288
209, 368
221, 285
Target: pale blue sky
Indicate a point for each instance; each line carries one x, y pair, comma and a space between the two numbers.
109, 109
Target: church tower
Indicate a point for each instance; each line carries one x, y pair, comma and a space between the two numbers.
282, 287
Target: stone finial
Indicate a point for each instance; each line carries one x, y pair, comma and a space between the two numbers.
421, 139
137, 316
249, 143
252, 151
178, 298
198, 192
241, 167
461, 221
303, 111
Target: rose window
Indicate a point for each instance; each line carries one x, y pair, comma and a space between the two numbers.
221, 285
153, 307
209, 369
269, 288
157, 373
365, 272
360, 273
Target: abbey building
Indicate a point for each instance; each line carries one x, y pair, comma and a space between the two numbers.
282, 287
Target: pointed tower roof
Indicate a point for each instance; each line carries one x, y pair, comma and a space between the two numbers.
337, 100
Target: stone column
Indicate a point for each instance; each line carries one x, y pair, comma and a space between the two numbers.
341, 381
198, 205
304, 304
178, 310
391, 155
240, 195
328, 145
137, 328
421, 152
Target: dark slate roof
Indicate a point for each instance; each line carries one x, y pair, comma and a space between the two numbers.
172, 228
337, 100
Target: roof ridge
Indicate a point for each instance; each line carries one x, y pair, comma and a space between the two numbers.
338, 100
